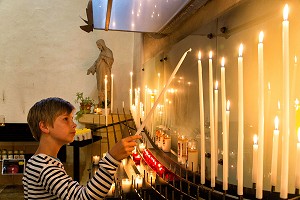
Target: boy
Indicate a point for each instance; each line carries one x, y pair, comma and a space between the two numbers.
51, 123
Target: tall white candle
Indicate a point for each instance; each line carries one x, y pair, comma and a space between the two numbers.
225, 149
216, 126
212, 123
259, 182
162, 93
297, 183
274, 153
192, 159
286, 106
131, 91
224, 129
126, 185
112, 94
254, 159
202, 133
240, 159
105, 103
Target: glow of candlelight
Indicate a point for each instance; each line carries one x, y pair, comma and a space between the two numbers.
199, 55
255, 139
210, 55
216, 85
228, 105
241, 50
286, 12
276, 122
261, 37
223, 62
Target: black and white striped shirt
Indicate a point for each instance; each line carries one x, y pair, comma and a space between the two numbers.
45, 178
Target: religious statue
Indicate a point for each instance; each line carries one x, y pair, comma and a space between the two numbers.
102, 67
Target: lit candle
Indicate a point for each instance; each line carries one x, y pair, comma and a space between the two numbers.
126, 185
105, 81
216, 126
162, 93
202, 131
142, 147
123, 104
131, 91
254, 159
212, 123
286, 106
259, 182
138, 182
275, 153
298, 162
192, 155
96, 160
225, 149
151, 177
112, 94
166, 146
240, 159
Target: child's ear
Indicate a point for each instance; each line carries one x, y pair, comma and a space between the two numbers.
43, 126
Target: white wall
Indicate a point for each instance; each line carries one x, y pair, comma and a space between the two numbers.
44, 53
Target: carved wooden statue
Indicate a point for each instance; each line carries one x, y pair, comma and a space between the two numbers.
102, 67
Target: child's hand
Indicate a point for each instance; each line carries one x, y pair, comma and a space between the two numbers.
124, 147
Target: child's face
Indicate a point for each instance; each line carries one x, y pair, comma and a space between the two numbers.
63, 130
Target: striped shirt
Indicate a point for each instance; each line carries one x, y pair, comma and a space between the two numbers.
45, 178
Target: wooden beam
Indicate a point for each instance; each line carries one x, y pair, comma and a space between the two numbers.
108, 14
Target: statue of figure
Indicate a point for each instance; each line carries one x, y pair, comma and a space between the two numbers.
102, 67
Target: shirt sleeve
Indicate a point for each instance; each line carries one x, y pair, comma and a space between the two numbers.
57, 182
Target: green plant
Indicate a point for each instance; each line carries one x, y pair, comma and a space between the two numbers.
86, 104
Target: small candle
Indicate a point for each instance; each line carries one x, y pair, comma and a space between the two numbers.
138, 182
142, 147
192, 155
286, 104
254, 157
275, 153
126, 185
96, 160
298, 162
166, 147
202, 131
151, 177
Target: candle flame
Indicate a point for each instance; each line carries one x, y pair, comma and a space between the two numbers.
269, 86
216, 85
286, 12
105, 76
276, 121
158, 75
223, 62
299, 134
295, 59
112, 75
199, 55
241, 50
228, 105
131, 73
255, 139
261, 37
296, 102
189, 83
210, 55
